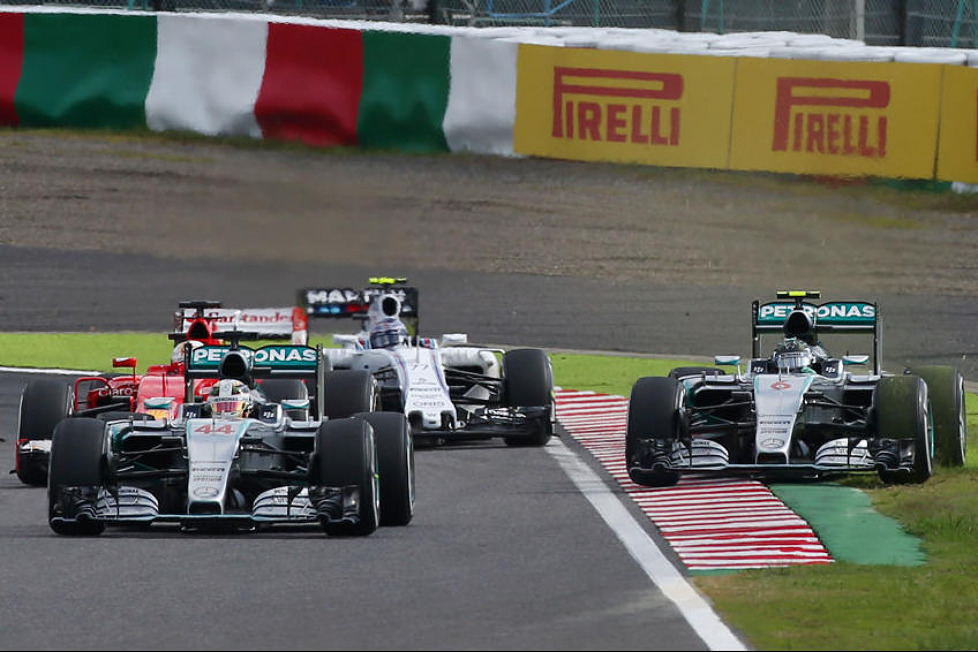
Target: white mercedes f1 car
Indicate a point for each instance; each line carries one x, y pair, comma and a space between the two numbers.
798, 413
448, 390
279, 441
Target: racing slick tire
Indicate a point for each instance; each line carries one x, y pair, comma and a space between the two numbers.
395, 461
653, 413
945, 387
277, 390
528, 382
349, 391
680, 372
346, 455
43, 404
78, 460
902, 413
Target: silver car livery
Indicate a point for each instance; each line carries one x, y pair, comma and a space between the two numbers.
799, 412
449, 390
294, 444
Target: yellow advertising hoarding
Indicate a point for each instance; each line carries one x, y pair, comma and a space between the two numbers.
957, 159
836, 118
603, 105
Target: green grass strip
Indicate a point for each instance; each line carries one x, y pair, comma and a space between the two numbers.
849, 527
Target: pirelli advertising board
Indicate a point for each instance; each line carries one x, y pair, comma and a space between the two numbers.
829, 117
603, 105
958, 151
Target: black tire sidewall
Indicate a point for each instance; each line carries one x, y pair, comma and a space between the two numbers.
395, 461
348, 392
527, 378
945, 389
901, 412
653, 410
43, 404
345, 455
78, 452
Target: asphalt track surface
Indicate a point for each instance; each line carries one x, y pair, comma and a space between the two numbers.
505, 552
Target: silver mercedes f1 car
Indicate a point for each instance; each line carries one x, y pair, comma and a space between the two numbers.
448, 390
798, 413
280, 440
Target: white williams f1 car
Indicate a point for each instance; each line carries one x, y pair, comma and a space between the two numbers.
278, 441
447, 390
799, 413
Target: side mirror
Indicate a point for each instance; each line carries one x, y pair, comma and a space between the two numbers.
347, 341
295, 404
160, 407
855, 359
449, 339
129, 362
726, 360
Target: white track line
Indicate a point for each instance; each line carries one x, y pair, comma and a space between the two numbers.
692, 605
60, 372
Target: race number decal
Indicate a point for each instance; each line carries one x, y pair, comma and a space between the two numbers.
214, 429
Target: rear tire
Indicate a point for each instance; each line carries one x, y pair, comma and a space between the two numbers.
348, 392
43, 404
902, 413
653, 414
945, 388
78, 459
395, 457
346, 455
528, 382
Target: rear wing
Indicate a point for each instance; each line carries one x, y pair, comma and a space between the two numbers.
849, 317
269, 323
247, 364
350, 303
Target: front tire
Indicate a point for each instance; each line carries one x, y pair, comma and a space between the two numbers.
902, 413
653, 419
395, 456
43, 404
945, 387
78, 470
346, 455
528, 382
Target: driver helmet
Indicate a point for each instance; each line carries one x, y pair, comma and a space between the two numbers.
388, 333
229, 398
793, 355
181, 348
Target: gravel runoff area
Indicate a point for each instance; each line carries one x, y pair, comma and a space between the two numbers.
675, 256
